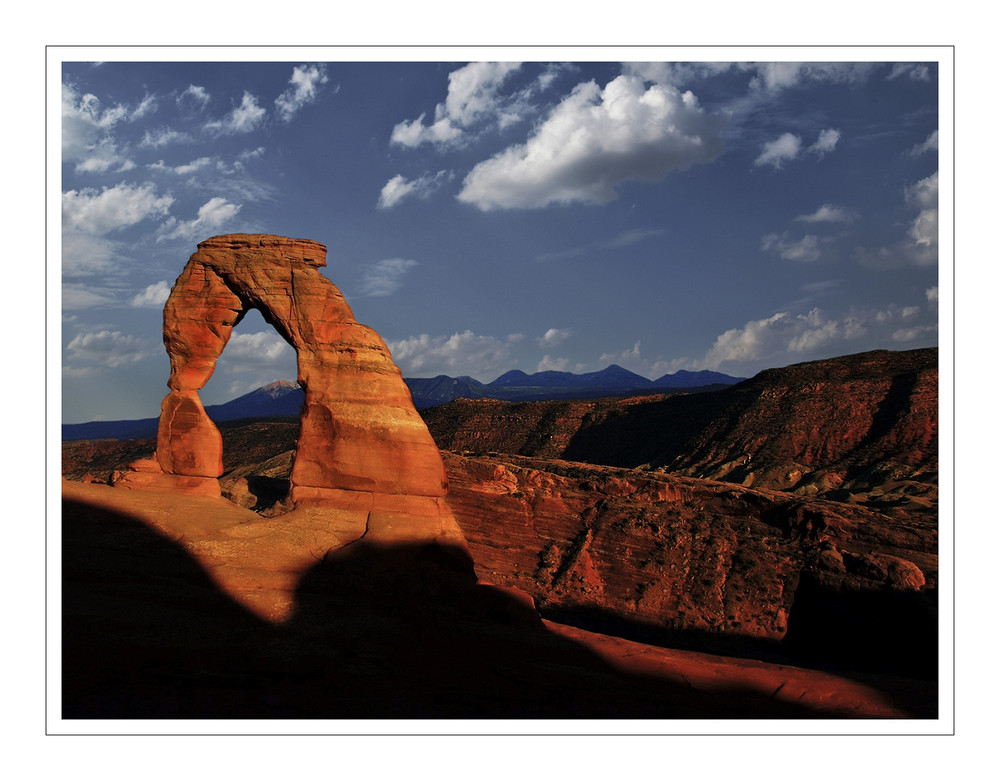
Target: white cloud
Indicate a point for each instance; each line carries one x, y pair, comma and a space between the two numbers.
829, 213
593, 141
776, 76
76, 296
917, 71
630, 359
784, 338
245, 118
826, 142
385, 277
115, 207
805, 250
924, 196
399, 187
193, 99
153, 296
472, 98
788, 147
264, 350
462, 353
211, 216
932, 293
920, 246
306, 82
108, 348
554, 336
87, 128
929, 144
86, 255
182, 170
548, 364
776, 153
154, 139
904, 335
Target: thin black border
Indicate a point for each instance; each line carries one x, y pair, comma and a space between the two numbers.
954, 406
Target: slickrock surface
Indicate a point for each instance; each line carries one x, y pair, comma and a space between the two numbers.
182, 606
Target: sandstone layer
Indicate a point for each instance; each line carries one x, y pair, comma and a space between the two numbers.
704, 564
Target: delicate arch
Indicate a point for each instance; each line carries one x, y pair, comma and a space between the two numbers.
359, 429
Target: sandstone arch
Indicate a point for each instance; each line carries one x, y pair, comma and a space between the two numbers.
361, 442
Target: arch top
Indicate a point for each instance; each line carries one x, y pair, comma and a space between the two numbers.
310, 252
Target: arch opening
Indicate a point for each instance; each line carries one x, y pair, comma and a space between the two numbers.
254, 400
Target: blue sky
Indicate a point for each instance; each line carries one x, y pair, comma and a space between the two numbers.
487, 216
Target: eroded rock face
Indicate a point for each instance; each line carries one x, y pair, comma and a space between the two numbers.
359, 430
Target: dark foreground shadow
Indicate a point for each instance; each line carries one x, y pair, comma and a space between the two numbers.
401, 632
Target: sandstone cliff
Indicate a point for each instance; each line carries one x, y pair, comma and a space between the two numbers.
860, 428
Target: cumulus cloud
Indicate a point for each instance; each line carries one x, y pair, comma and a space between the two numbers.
826, 142
785, 338
929, 144
788, 147
154, 295
472, 97
385, 277
305, 85
87, 127
932, 294
98, 213
548, 364
776, 153
593, 141
554, 336
399, 187
924, 196
460, 353
211, 216
246, 117
805, 250
264, 350
829, 213
920, 246
107, 348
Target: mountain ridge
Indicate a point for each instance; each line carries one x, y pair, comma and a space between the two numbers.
284, 397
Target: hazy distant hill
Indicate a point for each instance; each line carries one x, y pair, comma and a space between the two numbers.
285, 398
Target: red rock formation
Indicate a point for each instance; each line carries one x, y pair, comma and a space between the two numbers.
679, 559
857, 428
359, 430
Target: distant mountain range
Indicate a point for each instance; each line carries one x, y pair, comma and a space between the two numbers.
516, 385
285, 398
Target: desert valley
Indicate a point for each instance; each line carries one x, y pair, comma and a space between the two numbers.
757, 549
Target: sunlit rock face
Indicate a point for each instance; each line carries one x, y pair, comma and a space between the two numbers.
359, 430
